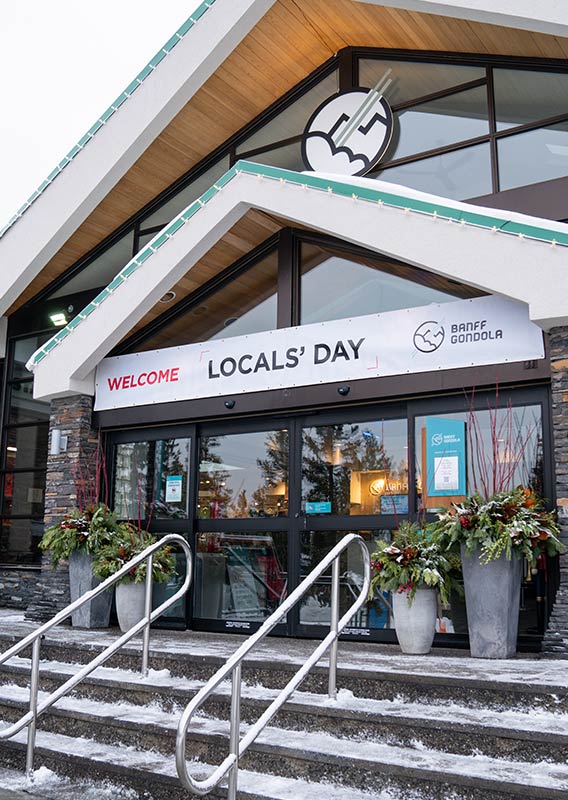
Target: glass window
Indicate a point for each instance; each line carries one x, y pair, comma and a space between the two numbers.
292, 121
19, 540
24, 494
412, 80
504, 449
102, 270
522, 96
438, 123
534, 156
243, 475
151, 479
245, 305
240, 576
355, 468
315, 606
23, 407
26, 447
336, 287
459, 175
163, 591
288, 157
23, 350
171, 208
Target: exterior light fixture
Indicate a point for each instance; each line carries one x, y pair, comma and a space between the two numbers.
229, 404
344, 390
168, 297
58, 443
59, 319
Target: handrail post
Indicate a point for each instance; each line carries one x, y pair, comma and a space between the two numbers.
235, 732
147, 613
334, 627
34, 685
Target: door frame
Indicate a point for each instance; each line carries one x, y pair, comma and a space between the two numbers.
297, 523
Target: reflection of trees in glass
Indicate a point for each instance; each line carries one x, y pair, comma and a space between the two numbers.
332, 453
327, 454
131, 475
215, 495
171, 457
141, 469
271, 499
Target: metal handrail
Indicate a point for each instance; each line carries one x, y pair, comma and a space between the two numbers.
233, 667
30, 718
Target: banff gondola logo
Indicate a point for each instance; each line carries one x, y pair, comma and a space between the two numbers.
430, 335
349, 133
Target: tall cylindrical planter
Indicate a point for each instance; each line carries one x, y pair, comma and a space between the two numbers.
492, 596
415, 624
129, 604
96, 613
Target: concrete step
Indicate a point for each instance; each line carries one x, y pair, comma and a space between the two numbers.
147, 776
444, 726
357, 765
367, 672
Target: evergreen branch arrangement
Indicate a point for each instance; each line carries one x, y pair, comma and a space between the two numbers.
512, 522
128, 542
88, 530
414, 559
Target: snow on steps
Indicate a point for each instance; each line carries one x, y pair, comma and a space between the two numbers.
381, 768
146, 772
443, 726
367, 671
358, 764
425, 727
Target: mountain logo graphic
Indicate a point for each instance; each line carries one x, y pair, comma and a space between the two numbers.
429, 336
349, 133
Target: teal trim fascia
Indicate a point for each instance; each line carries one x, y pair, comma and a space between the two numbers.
334, 187
112, 109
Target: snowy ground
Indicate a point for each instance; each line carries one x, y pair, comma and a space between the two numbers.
46, 785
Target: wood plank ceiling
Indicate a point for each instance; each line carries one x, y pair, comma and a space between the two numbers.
293, 38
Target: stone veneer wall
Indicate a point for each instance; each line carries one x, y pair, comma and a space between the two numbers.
72, 416
17, 587
556, 638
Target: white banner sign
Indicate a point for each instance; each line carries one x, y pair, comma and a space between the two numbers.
486, 330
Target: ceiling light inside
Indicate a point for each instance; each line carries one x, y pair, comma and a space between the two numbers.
58, 319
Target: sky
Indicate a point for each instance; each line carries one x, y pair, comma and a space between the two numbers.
62, 62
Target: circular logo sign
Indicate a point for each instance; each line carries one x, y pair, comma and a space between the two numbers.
348, 134
428, 336
437, 439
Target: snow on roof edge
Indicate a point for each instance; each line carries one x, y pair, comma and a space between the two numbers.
377, 192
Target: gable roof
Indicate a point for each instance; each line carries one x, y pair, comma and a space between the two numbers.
119, 138
98, 187
487, 263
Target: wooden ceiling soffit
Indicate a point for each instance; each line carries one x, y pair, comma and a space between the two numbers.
247, 234
291, 40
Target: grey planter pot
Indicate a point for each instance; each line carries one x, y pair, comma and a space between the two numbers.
95, 614
492, 596
415, 625
129, 604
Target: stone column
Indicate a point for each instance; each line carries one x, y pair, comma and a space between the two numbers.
72, 417
556, 638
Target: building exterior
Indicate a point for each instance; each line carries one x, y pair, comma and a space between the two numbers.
310, 240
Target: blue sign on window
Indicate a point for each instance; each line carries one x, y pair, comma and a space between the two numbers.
445, 458
318, 508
